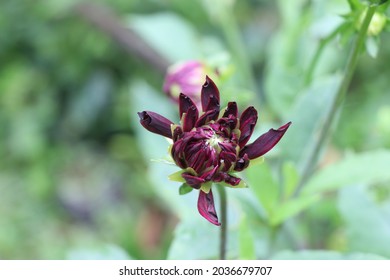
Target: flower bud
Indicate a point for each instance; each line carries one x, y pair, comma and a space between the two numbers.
377, 23
185, 77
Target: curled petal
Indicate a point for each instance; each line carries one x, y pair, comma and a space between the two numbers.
189, 118
192, 180
209, 96
231, 110
248, 121
197, 161
213, 105
227, 160
177, 133
231, 180
185, 103
230, 122
227, 147
178, 151
156, 123
242, 163
206, 117
206, 207
265, 142
227, 178
207, 176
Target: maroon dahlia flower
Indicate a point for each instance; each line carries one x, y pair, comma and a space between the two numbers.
210, 146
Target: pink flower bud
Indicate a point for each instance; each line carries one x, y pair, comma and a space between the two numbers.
185, 77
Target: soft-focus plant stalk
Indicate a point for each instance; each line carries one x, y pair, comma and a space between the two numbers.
232, 34
317, 55
349, 70
223, 232
274, 230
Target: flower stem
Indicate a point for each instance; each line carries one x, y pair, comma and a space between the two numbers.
232, 35
340, 95
314, 61
223, 232
274, 230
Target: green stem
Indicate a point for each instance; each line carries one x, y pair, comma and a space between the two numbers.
317, 55
340, 95
272, 240
233, 37
223, 232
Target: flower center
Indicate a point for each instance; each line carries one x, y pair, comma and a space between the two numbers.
214, 140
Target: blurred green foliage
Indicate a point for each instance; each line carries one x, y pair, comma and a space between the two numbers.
76, 180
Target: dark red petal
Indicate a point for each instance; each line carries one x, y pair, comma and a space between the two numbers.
197, 160
206, 117
248, 121
265, 142
192, 180
209, 96
208, 176
189, 119
177, 133
213, 105
227, 122
242, 163
156, 123
177, 153
231, 180
206, 207
228, 159
227, 147
185, 103
231, 110
227, 178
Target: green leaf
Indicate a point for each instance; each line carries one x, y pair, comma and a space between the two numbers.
365, 168
184, 189
246, 242
162, 30
355, 5
372, 46
265, 188
323, 255
292, 207
102, 252
290, 177
368, 226
307, 116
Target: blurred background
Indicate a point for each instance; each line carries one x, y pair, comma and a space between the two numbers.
77, 180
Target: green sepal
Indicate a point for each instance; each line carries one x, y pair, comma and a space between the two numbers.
177, 176
182, 119
206, 187
237, 131
167, 160
184, 189
256, 161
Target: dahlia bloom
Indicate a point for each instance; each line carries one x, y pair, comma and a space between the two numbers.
211, 146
